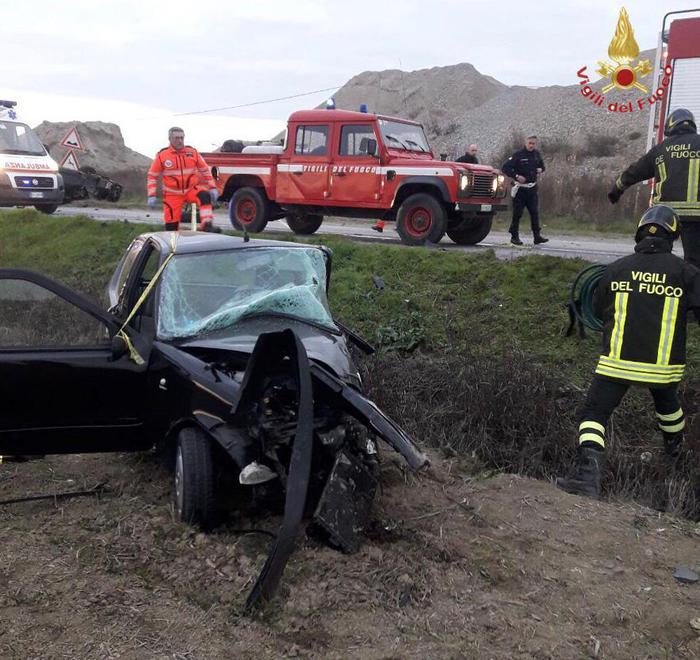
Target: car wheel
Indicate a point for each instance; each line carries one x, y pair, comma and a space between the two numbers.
421, 218
194, 502
46, 208
471, 232
248, 210
304, 224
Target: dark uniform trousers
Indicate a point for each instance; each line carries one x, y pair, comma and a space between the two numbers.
604, 395
525, 198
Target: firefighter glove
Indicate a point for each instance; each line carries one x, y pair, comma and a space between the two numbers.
214, 195
151, 202
614, 195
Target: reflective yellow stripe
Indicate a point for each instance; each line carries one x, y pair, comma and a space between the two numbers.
639, 377
591, 425
648, 367
659, 183
671, 417
668, 329
619, 328
672, 429
591, 437
693, 174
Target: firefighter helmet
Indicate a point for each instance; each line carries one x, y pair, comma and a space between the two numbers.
679, 121
658, 217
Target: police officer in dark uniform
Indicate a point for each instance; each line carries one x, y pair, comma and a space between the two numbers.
643, 300
523, 167
675, 166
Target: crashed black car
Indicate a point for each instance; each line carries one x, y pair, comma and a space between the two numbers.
223, 349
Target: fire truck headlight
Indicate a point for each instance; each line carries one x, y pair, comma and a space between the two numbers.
464, 181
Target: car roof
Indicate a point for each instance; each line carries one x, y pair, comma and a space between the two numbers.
192, 242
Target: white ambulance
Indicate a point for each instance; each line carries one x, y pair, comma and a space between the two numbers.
28, 175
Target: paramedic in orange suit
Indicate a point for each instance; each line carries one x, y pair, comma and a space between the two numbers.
183, 170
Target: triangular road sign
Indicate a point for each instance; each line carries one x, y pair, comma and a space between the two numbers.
72, 140
70, 161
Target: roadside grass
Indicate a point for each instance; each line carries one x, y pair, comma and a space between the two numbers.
472, 356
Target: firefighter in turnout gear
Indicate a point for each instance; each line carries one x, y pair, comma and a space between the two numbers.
674, 164
643, 301
186, 178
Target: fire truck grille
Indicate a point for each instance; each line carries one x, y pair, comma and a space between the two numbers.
481, 186
34, 182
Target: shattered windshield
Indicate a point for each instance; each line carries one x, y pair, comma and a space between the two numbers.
398, 135
201, 293
19, 139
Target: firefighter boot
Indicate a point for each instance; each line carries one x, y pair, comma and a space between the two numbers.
586, 479
540, 239
673, 442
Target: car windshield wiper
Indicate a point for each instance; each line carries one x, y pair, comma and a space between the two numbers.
416, 143
290, 317
388, 136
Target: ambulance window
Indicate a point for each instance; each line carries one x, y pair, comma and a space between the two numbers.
354, 140
311, 141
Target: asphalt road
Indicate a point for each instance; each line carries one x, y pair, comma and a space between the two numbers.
599, 249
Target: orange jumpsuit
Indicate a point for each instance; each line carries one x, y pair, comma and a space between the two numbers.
183, 173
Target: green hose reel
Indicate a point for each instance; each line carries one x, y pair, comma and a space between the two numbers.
581, 300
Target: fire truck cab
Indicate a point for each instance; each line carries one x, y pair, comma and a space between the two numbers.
677, 58
28, 175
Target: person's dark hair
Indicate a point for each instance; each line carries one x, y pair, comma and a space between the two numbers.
531, 137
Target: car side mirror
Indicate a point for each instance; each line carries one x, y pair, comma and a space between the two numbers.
372, 148
119, 348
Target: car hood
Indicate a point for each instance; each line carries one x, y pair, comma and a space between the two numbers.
328, 349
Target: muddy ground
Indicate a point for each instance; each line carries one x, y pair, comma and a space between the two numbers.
504, 567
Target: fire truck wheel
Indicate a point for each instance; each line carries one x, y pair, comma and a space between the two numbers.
46, 208
471, 232
421, 218
248, 210
304, 224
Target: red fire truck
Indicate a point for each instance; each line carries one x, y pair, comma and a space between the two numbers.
677, 58
356, 164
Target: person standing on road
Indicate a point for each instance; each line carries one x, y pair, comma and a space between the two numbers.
643, 301
185, 174
674, 164
523, 167
469, 156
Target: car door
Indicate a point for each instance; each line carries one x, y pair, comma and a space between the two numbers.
304, 178
65, 385
355, 177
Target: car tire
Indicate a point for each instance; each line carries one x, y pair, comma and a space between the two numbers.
304, 224
194, 499
46, 208
248, 210
421, 218
471, 232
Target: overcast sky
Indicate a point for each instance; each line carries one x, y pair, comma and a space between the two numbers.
139, 62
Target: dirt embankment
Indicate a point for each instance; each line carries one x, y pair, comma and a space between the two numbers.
454, 568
